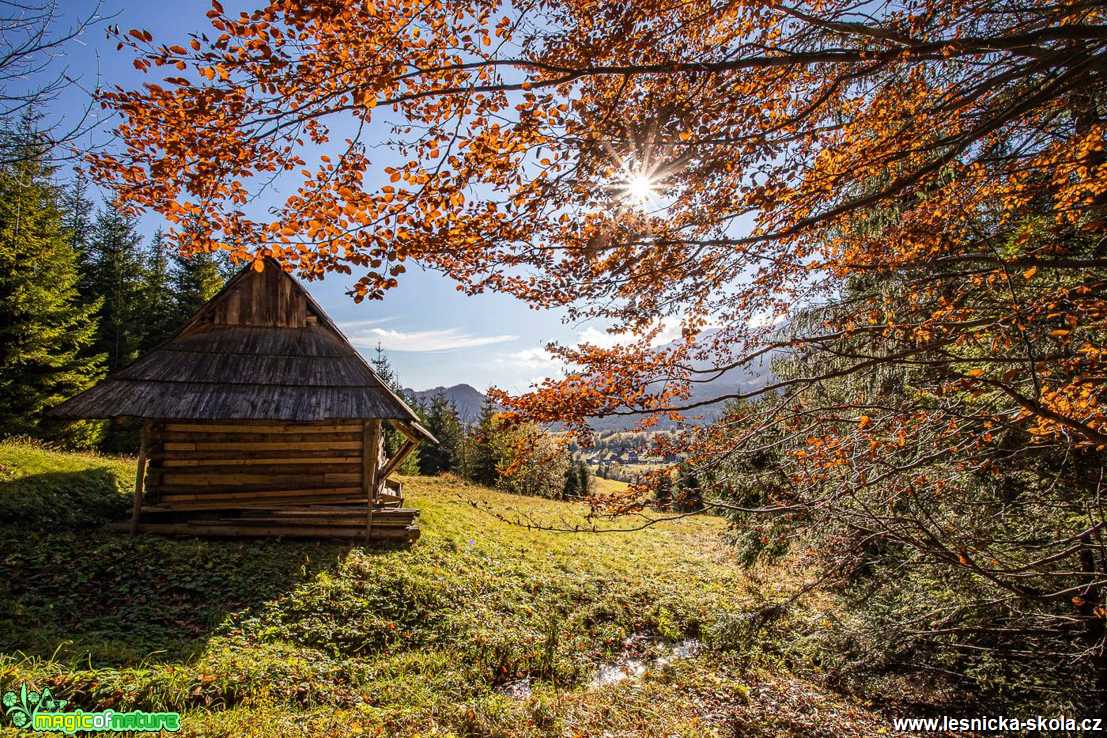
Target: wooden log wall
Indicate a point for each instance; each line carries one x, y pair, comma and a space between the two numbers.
216, 466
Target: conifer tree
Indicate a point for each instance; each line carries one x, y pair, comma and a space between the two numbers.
77, 219
46, 333
196, 279
584, 478
161, 319
116, 265
442, 421
483, 467
571, 488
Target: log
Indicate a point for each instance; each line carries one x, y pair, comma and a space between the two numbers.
170, 479
263, 428
344, 522
260, 437
257, 494
266, 504
254, 461
327, 508
260, 446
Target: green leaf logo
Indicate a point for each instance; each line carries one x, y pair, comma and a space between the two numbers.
22, 707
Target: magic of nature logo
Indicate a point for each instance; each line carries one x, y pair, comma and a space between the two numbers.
41, 711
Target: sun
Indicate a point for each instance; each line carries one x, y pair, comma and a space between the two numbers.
638, 185
640, 188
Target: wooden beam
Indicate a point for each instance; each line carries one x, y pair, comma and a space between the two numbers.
405, 429
140, 476
262, 428
303, 461
397, 459
370, 463
262, 445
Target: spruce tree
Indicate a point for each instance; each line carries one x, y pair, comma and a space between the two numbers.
77, 219
161, 319
443, 423
117, 268
570, 488
196, 279
46, 333
584, 478
483, 467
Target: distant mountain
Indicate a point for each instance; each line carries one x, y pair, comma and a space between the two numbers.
741, 380
465, 398
468, 400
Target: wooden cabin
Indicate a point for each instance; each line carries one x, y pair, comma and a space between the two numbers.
260, 419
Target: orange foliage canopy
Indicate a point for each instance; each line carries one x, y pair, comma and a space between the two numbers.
931, 173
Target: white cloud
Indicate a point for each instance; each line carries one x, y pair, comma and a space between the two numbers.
532, 358
448, 339
670, 331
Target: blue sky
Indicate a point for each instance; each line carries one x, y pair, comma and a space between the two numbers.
433, 334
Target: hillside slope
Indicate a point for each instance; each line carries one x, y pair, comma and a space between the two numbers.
483, 628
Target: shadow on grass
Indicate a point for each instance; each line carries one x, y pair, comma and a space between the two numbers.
73, 591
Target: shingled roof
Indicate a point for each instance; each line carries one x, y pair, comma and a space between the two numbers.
261, 349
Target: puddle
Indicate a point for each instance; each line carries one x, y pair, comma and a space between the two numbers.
633, 662
639, 655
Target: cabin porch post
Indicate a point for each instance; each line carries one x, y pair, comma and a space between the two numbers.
140, 476
370, 465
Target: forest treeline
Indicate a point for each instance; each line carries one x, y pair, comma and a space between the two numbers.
82, 293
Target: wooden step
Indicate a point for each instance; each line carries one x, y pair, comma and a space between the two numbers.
408, 534
361, 522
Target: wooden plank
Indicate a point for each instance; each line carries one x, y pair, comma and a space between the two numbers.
212, 437
305, 460
264, 504
348, 521
257, 494
263, 428
281, 476
140, 476
325, 510
231, 457
260, 446
170, 479
274, 483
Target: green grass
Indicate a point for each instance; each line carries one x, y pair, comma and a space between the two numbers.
609, 486
310, 638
